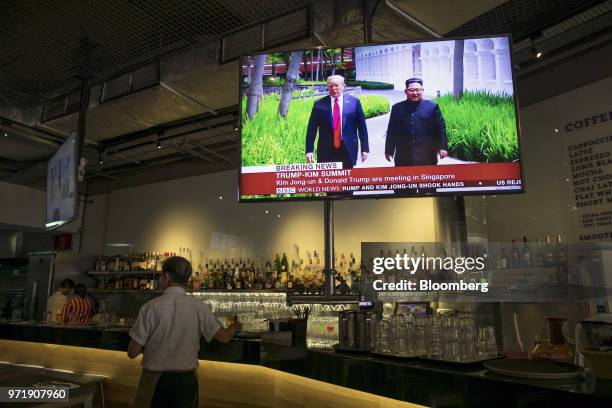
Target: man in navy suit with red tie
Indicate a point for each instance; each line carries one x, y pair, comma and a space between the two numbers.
341, 124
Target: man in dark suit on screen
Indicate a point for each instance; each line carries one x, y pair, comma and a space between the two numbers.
416, 133
341, 124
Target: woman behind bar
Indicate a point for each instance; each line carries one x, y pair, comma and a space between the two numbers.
78, 310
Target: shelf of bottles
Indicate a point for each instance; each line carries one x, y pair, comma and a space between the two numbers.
522, 264
528, 255
128, 272
140, 271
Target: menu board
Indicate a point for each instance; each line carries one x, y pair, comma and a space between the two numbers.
589, 156
61, 185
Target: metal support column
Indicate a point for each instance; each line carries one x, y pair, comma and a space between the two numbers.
328, 226
80, 138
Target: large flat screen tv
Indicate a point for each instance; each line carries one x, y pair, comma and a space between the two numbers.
62, 197
380, 120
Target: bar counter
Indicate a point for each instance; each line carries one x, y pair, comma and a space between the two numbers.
414, 381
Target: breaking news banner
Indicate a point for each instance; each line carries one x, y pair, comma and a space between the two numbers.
314, 178
484, 272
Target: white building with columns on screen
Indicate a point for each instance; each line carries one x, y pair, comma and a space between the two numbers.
486, 65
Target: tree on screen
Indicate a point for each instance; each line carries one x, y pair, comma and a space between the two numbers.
318, 62
274, 59
293, 72
332, 57
255, 92
458, 70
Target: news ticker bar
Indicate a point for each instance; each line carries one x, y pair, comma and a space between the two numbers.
486, 185
413, 179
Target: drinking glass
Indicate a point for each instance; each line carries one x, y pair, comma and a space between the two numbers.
487, 346
435, 337
420, 335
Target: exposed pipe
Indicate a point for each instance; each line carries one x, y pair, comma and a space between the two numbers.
412, 19
208, 150
37, 133
167, 127
123, 157
100, 173
152, 164
32, 137
184, 149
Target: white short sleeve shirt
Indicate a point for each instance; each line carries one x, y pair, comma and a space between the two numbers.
55, 305
169, 327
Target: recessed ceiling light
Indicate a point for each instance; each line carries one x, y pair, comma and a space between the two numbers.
5, 134
220, 197
278, 215
267, 212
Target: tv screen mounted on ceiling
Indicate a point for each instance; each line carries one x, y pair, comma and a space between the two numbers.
62, 197
383, 120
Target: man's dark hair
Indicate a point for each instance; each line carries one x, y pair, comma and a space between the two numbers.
414, 81
67, 283
80, 290
179, 269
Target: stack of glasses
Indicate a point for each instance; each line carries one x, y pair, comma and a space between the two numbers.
451, 338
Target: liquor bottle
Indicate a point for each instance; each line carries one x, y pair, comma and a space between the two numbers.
206, 278
502, 259
269, 278
196, 283
525, 255
284, 271
290, 282
237, 281
160, 261
549, 255
217, 283
560, 252
229, 281
515, 259
539, 255
277, 272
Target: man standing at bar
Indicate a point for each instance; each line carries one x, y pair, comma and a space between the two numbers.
167, 332
416, 133
341, 124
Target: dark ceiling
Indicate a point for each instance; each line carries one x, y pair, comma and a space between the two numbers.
48, 47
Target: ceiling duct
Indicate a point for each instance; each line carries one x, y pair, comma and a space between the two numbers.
290, 27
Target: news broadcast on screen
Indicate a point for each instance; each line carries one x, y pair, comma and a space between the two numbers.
386, 120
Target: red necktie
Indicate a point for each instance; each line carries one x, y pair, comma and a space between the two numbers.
336, 118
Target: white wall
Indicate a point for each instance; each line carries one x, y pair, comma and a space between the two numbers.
188, 213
